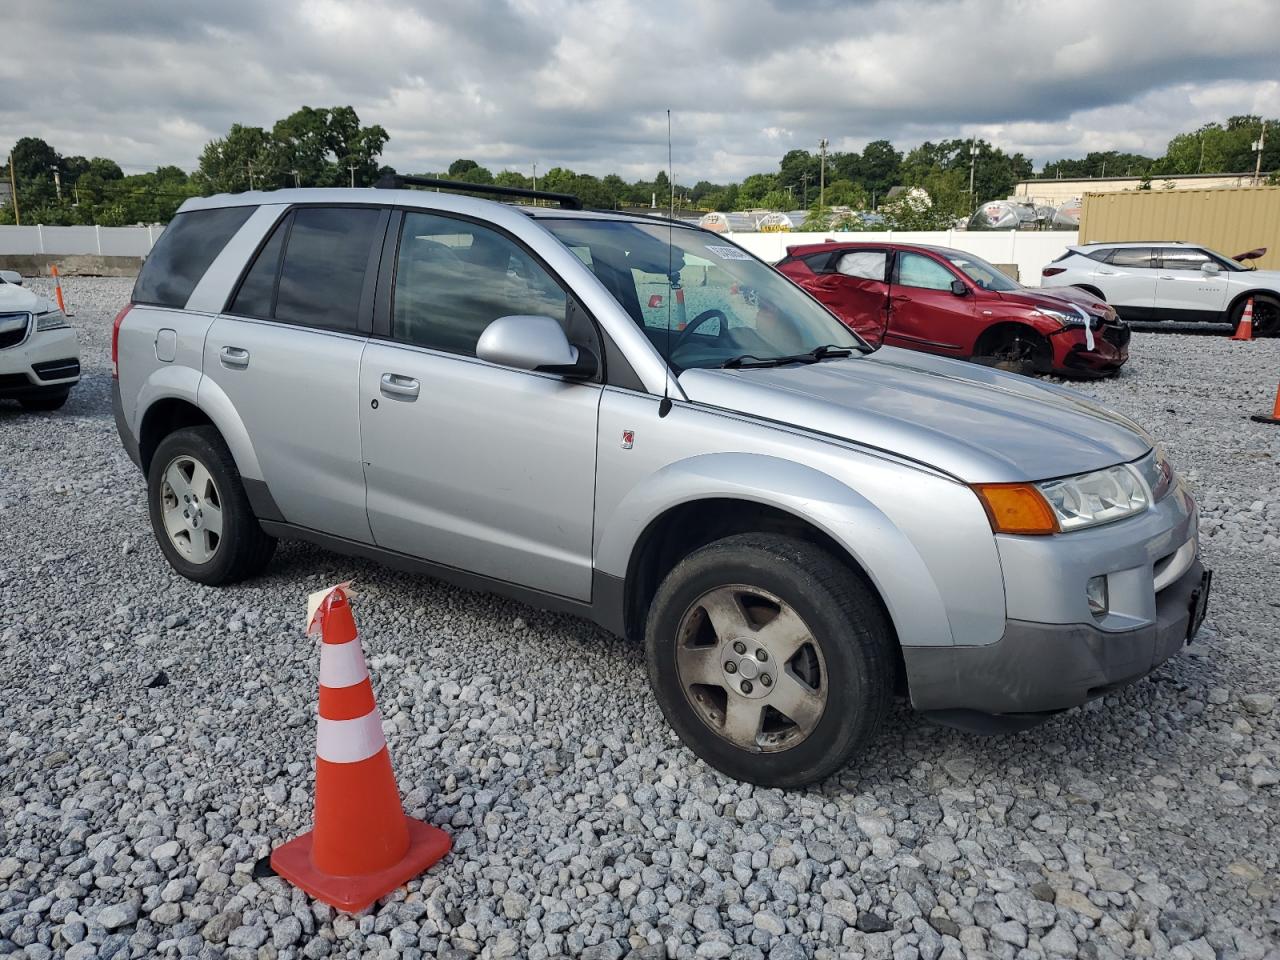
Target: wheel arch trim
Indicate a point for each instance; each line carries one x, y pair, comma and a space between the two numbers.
191, 386
883, 552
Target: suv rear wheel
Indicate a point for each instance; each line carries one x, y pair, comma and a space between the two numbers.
771, 659
199, 511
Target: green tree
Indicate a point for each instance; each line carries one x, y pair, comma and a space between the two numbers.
879, 167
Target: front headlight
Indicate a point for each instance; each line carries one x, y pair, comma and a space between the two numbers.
1095, 498
1068, 318
53, 320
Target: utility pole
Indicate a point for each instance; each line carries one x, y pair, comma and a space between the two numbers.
1259, 145
57, 180
535, 182
352, 168
296, 181
13, 186
250, 174
973, 163
804, 178
822, 173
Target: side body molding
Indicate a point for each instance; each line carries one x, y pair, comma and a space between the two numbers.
871, 538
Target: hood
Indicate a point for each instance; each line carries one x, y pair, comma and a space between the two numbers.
15, 299
976, 423
1059, 298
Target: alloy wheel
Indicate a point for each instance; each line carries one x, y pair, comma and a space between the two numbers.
192, 509
751, 668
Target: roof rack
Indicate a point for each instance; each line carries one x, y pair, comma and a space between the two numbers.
394, 181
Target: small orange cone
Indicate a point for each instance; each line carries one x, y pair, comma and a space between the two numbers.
1244, 330
57, 288
362, 846
1275, 412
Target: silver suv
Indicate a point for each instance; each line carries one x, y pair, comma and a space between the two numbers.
641, 423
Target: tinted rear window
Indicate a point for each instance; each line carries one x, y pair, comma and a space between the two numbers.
183, 253
1139, 258
324, 266
257, 291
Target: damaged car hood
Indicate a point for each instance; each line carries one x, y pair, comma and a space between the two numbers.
976, 423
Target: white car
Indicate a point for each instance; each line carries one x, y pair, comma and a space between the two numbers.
1170, 280
39, 353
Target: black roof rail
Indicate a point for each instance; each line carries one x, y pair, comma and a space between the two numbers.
394, 181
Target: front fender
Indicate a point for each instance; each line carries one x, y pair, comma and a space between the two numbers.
882, 550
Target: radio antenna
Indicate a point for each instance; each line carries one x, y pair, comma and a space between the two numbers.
665, 406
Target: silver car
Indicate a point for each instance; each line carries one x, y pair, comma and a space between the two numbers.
641, 423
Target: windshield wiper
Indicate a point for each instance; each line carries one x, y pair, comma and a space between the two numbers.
750, 362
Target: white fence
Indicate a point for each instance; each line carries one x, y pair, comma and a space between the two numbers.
1030, 250
70, 241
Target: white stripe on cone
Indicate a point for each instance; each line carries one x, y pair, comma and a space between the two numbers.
350, 741
342, 664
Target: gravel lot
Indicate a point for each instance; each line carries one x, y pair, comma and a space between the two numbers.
132, 809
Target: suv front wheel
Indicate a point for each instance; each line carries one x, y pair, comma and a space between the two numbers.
770, 658
199, 511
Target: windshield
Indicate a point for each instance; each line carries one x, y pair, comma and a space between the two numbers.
700, 300
980, 272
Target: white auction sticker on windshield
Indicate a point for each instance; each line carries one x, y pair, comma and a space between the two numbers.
728, 253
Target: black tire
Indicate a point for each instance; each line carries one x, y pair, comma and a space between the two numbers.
243, 550
1016, 348
845, 620
1266, 315
45, 401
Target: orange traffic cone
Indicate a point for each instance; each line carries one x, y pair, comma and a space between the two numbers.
1275, 412
1244, 330
362, 846
57, 288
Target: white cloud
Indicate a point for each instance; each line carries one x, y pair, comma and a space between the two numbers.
586, 84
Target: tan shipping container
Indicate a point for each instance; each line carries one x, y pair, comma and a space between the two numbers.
1229, 220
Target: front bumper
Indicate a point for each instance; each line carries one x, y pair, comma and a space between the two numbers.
1071, 353
1043, 668
47, 362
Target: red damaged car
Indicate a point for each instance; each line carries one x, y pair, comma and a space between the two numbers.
946, 301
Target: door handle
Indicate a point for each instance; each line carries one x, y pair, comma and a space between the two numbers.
397, 387
237, 358
1106, 273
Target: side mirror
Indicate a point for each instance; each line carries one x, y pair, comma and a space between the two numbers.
533, 343
1210, 269
959, 289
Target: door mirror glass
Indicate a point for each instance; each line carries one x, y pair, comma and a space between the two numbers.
1210, 269
958, 288
533, 343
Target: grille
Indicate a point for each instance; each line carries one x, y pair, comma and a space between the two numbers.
13, 328
12, 381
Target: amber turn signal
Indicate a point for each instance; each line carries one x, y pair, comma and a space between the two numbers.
1016, 508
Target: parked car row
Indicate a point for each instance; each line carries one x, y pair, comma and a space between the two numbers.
543, 402
952, 303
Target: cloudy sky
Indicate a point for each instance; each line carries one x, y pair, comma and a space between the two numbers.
586, 84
